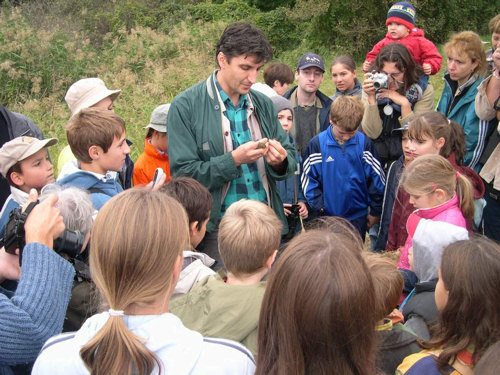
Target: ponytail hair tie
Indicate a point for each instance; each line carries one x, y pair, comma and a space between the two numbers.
458, 175
112, 312
434, 186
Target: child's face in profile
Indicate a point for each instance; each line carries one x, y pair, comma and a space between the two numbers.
397, 31
424, 146
36, 171
428, 200
197, 234
440, 294
285, 118
113, 159
405, 144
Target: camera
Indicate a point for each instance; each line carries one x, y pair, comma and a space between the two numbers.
69, 242
380, 80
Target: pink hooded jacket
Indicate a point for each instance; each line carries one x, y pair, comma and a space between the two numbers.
449, 212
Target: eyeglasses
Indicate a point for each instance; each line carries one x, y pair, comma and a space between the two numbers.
395, 77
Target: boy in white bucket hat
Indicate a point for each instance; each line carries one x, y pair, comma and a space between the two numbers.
86, 93
25, 164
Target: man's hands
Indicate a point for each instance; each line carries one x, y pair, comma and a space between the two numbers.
45, 222
251, 151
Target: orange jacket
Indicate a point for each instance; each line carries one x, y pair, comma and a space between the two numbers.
146, 164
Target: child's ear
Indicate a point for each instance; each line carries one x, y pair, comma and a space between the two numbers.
271, 259
440, 194
440, 142
94, 152
17, 178
193, 228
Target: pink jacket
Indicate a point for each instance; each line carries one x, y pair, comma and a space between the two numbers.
449, 212
421, 49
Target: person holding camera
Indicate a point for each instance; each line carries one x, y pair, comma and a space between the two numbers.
35, 311
396, 91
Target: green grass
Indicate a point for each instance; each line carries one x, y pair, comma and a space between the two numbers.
151, 68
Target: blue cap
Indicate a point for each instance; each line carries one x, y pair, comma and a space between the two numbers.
311, 59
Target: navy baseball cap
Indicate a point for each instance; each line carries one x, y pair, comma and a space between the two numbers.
311, 59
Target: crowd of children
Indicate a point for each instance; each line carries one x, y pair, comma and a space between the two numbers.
312, 301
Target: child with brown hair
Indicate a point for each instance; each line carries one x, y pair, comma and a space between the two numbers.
97, 138
228, 305
197, 201
318, 315
428, 133
25, 164
343, 157
469, 309
394, 340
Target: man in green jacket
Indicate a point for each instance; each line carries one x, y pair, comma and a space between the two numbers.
227, 136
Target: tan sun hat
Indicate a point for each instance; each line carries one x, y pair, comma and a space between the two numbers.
19, 149
87, 92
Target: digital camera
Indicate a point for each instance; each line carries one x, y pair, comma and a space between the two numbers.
380, 80
69, 242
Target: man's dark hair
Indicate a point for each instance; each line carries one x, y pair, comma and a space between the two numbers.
278, 71
241, 38
195, 198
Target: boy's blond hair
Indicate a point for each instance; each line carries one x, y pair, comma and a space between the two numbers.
494, 24
93, 127
387, 281
347, 112
249, 232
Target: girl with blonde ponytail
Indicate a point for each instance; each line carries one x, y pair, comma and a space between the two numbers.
135, 260
437, 192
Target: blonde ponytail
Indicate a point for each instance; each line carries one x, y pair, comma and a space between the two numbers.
116, 350
137, 239
465, 195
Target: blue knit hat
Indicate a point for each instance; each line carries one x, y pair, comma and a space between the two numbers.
403, 13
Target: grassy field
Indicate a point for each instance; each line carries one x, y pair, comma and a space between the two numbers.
150, 67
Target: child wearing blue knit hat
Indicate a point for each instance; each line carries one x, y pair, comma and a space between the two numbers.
401, 29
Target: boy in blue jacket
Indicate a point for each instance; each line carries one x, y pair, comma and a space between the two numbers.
98, 140
342, 175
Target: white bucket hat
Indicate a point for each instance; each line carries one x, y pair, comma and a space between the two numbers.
87, 92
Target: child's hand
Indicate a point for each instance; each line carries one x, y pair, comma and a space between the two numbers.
427, 68
372, 220
303, 210
286, 208
366, 66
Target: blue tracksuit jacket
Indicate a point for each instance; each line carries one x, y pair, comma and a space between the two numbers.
343, 180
